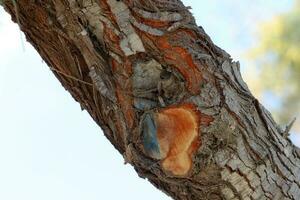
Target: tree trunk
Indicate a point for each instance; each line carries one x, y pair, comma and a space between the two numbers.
169, 100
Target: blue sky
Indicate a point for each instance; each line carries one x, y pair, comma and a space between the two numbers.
50, 149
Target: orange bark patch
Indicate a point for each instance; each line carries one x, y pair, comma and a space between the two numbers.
111, 35
150, 22
179, 57
177, 133
112, 39
106, 9
124, 100
155, 23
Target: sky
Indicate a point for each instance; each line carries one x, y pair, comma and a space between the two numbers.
50, 149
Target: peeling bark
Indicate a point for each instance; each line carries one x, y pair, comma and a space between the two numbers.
169, 100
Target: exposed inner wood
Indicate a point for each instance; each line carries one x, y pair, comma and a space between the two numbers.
177, 133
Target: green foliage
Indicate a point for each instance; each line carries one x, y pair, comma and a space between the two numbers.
279, 59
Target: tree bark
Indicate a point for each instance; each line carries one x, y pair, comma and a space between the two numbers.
169, 100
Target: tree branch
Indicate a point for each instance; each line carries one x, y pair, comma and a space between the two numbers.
170, 101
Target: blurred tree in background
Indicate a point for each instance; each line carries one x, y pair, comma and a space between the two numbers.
278, 58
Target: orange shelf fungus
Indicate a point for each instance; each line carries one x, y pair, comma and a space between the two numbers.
171, 135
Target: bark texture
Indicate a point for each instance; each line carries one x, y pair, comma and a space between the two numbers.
169, 100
